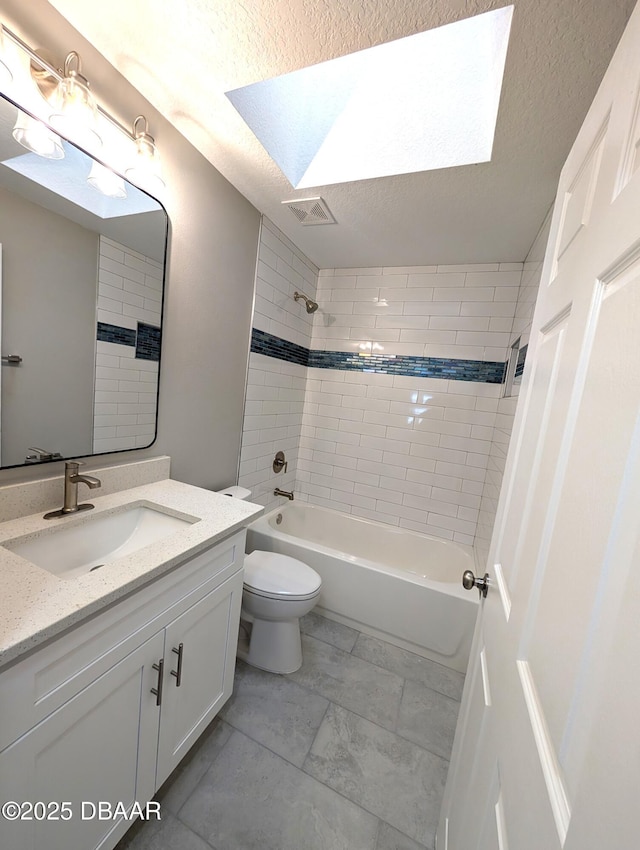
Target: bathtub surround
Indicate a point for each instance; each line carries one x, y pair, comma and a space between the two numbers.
273, 346
401, 374
404, 419
420, 367
407, 446
506, 408
277, 375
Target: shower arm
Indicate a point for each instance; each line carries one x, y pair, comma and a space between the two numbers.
311, 305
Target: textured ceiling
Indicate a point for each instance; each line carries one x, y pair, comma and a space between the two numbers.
183, 55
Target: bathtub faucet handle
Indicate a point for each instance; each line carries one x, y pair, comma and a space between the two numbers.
279, 462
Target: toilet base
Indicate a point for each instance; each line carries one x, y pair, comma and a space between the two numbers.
244, 635
274, 646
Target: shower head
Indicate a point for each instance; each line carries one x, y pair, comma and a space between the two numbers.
312, 306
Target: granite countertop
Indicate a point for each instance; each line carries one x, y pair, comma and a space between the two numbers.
36, 605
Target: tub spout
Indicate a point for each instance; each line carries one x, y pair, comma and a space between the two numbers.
286, 493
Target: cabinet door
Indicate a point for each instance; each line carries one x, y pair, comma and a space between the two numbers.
208, 634
99, 746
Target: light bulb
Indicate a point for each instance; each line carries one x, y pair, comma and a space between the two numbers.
37, 137
75, 113
145, 171
106, 181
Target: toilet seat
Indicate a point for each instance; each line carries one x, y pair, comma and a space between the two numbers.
276, 576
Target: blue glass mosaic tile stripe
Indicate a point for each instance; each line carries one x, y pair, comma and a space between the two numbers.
114, 333
421, 367
273, 346
522, 356
148, 342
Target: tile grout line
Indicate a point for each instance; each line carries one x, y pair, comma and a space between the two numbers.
388, 669
403, 678
330, 703
321, 782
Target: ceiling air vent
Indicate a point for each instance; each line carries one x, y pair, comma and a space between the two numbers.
310, 211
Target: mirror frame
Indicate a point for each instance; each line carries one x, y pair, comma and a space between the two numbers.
165, 256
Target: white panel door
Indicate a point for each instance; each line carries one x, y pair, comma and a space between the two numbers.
546, 754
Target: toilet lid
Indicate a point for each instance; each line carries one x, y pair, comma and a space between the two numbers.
270, 572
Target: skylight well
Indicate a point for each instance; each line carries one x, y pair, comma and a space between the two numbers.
419, 103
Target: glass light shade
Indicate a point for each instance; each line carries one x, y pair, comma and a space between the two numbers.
106, 181
6, 74
75, 113
145, 171
37, 137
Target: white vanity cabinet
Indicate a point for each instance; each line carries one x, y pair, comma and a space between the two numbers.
101, 745
199, 679
99, 714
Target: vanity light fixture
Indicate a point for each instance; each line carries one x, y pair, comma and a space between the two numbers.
145, 171
78, 117
6, 75
75, 112
106, 181
37, 137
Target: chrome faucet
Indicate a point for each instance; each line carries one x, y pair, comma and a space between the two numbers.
71, 481
286, 493
41, 455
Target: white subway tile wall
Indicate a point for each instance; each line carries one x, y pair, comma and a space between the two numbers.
129, 291
426, 311
408, 451
282, 270
276, 388
505, 413
425, 454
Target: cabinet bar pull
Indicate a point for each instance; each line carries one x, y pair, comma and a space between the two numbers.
178, 673
158, 691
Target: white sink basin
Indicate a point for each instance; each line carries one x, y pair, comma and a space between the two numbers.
80, 548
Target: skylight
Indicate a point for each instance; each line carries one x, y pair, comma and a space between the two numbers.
419, 103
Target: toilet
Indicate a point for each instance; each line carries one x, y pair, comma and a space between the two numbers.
277, 591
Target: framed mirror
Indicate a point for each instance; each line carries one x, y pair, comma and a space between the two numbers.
81, 295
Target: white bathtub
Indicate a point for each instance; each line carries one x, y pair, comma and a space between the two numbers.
395, 584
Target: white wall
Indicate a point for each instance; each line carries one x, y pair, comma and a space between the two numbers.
506, 408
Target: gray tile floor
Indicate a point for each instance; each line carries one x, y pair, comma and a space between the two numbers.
349, 753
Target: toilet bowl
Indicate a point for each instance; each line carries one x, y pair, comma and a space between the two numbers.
277, 591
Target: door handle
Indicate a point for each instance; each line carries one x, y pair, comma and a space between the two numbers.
158, 691
178, 673
470, 581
